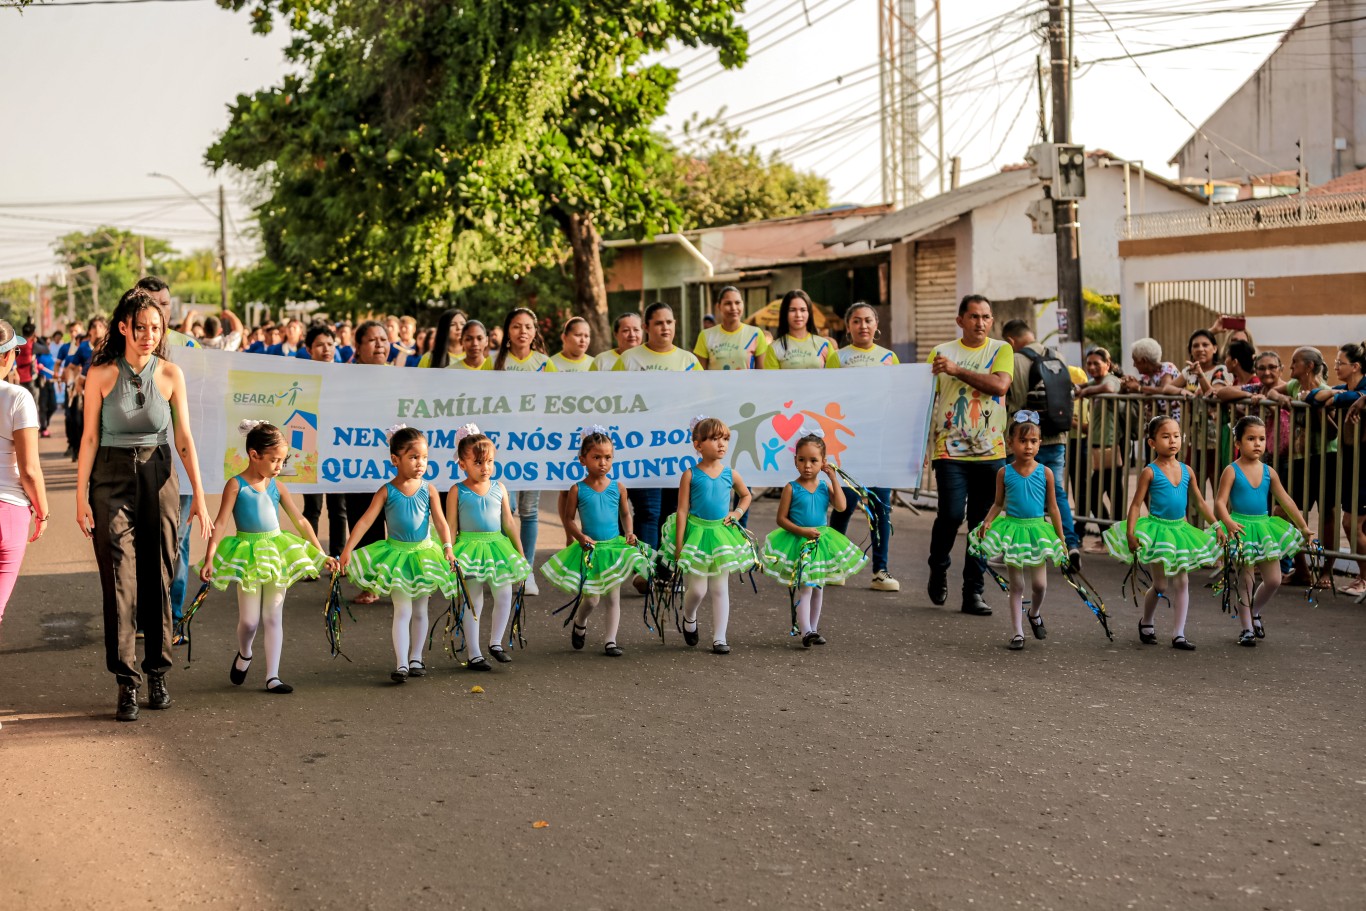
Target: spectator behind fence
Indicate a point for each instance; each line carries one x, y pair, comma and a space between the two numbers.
1101, 431
1313, 446
1155, 376
1347, 399
1204, 375
1240, 360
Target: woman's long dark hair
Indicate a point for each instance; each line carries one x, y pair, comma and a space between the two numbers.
441, 357
788, 298
502, 356
114, 346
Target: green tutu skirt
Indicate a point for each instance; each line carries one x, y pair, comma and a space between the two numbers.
488, 556
834, 559
1174, 543
253, 559
710, 547
1266, 538
1018, 542
610, 563
412, 568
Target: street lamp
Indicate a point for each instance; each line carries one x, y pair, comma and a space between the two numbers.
221, 215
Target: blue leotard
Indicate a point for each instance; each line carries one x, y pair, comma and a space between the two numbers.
254, 510
408, 518
480, 513
1026, 495
600, 513
709, 498
1246, 499
1165, 500
809, 508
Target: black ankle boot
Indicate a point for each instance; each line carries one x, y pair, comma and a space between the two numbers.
157, 697
128, 703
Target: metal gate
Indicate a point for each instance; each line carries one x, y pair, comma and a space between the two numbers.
936, 289
1176, 309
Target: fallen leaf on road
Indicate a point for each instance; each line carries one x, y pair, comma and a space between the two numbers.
476, 689
540, 824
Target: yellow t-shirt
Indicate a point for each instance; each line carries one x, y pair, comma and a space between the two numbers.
969, 425
535, 362
461, 365
565, 365
874, 356
806, 353
605, 361
743, 349
452, 364
642, 358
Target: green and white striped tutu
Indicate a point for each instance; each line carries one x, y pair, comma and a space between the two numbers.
412, 568
710, 546
1266, 538
1018, 542
488, 556
1175, 543
610, 563
253, 559
834, 559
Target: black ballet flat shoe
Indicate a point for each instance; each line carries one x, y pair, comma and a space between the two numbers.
417, 669
720, 648
479, 664
1247, 638
818, 640
1016, 643
128, 703
400, 675
578, 635
1181, 643
809, 639
239, 677
612, 650
157, 695
1149, 638
1257, 629
691, 638
280, 689
499, 655
1036, 625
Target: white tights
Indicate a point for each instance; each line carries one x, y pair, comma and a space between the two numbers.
809, 609
1255, 597
410, 628
502, 612
698, 587
1038, 586
254, 609
609, 631
1177, 590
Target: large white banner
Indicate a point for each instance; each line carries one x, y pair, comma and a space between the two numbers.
334, 415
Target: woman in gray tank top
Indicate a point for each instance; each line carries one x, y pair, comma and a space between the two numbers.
127, 495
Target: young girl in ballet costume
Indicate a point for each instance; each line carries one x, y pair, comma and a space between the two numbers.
488, 549
597, 519
1163, 540
1263, 539
703, 537
408, 565
263, 560
802, 509
1024, 526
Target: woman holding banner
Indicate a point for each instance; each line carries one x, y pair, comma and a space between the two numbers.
732, 345
862, 351
574, 342
449, 327
627, 331
518, 354
372, 348
794, 347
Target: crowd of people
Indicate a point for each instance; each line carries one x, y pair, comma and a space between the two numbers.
994, 398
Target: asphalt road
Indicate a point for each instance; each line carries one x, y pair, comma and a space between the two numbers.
913, 762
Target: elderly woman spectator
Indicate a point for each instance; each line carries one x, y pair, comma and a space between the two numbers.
1349, 395
1155, 376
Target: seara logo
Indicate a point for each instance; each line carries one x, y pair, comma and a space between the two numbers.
284, 398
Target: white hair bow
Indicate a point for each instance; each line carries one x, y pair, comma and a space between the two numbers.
247, 425
390, 431
467, 430
692, 425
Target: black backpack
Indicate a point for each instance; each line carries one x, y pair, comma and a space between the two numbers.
1050, 391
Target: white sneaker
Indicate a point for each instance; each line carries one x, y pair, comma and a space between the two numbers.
883, 582
531, 588
834, 582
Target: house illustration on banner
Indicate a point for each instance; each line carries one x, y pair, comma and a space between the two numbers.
301, 431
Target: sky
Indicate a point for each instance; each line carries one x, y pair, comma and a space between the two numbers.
111, 92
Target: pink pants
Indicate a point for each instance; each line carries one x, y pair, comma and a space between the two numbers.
14, 521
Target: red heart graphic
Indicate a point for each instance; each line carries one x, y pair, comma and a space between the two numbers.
787, 425
787, 404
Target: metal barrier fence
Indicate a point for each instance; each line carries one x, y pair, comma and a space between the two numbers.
1317, 452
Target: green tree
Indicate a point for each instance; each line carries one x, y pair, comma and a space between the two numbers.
1102, 321
16, 301
424, 147
104, 263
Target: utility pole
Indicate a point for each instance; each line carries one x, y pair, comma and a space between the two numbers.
142, 257
1068, 230
901, 92
223, 246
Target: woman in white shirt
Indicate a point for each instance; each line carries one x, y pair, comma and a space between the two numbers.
21, 477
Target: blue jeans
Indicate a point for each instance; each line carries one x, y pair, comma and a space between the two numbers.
1054, 457
839, 521
182, 567
966, 489
526, 504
